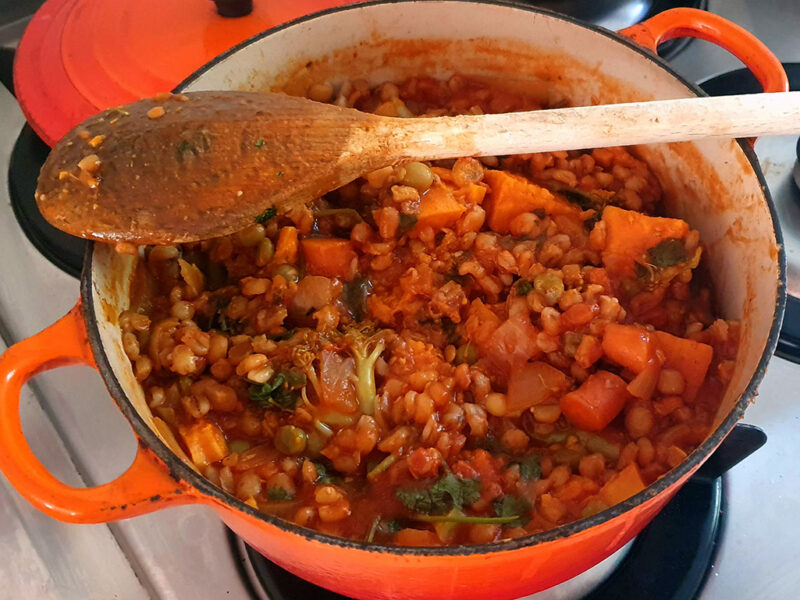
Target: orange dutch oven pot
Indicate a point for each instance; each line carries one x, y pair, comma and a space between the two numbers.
715, 185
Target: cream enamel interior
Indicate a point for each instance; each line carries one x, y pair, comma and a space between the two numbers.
710, 184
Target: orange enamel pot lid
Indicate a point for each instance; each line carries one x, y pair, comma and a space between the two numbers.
78, 57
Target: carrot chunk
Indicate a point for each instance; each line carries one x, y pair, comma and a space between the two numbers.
578, 315
633, 347
286, 248
533, 384
627, 483
629, 234
597, 402
511, 195
438, 208
330, 257
689, 357
205, 442
627, 345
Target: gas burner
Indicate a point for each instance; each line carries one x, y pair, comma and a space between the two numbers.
668, 560
619, 14
27, 157
778, 157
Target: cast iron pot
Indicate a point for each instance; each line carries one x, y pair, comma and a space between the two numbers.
715, 185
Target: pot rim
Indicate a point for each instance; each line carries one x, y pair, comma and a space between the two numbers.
180, 470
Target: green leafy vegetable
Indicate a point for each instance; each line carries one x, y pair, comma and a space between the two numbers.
582, 199
322, 474
447, 493
407, 223
392, 526
259, 143
280, 173
222, 322
280, 392
518, 510
354, 296
267, 215
524, 288
530, 468
667, 253
278, 493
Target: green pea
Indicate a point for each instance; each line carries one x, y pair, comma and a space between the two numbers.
288, 272
466, 354
265, 252
418, 175
550, 286
290, 439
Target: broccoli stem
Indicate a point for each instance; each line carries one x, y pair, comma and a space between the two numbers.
365, 371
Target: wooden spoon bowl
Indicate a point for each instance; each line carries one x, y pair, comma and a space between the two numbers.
181, 168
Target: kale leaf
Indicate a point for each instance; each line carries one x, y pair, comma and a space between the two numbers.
280, 392
447, 493
267, 215
513, 506
667, 253
354, 296
277, 493
529, 468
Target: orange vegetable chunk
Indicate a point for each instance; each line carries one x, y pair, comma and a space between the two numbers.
689, 357
627, 483
511, 195
286, 248
205, 442
627, 345
630, 234
597, 402
632, 347
330, 257
533, 384
438, 208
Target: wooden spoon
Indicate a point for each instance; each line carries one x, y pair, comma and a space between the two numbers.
205, 164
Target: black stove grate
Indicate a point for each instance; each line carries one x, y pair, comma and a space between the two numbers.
669, 560
742, 81
27, 157
597, 11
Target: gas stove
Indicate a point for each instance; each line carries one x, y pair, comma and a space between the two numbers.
743, 524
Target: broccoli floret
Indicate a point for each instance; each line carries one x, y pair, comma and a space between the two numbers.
365, 351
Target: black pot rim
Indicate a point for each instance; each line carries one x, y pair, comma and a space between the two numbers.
181, 471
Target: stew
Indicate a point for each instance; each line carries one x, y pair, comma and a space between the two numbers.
450, 353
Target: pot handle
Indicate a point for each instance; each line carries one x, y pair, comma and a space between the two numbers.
691, 22
146, 486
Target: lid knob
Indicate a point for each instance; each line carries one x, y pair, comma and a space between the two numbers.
234, 8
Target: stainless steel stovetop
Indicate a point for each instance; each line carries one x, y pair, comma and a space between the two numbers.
180, 553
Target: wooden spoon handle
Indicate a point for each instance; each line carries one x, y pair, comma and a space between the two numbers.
684, 119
